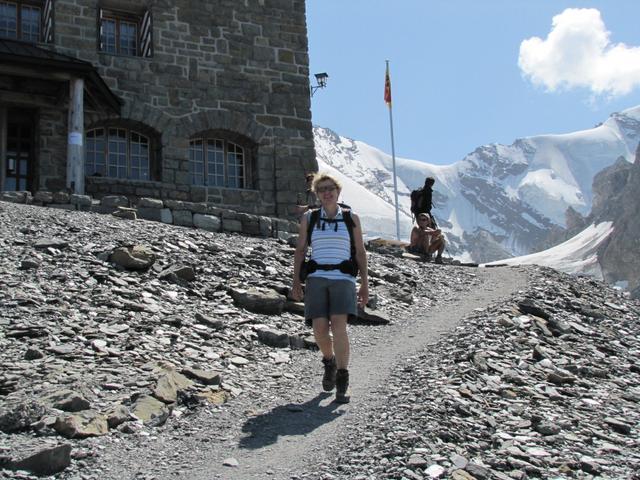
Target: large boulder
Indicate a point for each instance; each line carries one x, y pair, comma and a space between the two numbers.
146, 202
205, 377
150, 410
267, 302
41, 459
210, 223
163, 215
82, 425
273, 337
178, 274
114, 201
136, 257
67, 400
370, 316
20, 416
168, 386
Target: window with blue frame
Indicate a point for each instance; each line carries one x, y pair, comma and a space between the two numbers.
217, 162
125, 33
118, 153
27, 20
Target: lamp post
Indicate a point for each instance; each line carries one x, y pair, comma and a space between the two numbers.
321, 80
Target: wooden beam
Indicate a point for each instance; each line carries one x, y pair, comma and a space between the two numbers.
27, 99
75, 137
3, 145
35, 72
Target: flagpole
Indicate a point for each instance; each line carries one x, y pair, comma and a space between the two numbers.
393, 156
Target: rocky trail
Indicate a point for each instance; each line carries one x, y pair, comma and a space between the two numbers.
133, 349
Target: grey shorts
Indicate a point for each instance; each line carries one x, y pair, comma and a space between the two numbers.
324, 297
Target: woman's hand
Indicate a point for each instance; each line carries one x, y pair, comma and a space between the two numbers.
300, 209
296, 291
363, 295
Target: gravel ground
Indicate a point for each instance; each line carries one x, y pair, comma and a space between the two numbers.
481, 373
293, 429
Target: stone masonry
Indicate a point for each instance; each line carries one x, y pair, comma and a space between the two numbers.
234, 66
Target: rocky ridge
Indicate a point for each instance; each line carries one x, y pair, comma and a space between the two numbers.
546, 385
111, 326
96, 357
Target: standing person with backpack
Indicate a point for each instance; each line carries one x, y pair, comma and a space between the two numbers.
308, 200
337, 255
422, 198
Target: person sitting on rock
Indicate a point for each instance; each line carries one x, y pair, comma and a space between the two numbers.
425, 239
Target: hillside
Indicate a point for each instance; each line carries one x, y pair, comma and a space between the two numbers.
196, 365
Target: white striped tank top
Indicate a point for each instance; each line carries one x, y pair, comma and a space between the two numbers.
330, 247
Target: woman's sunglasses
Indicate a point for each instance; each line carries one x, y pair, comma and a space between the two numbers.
328, 188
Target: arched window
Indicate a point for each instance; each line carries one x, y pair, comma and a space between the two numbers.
118, 153
217, 162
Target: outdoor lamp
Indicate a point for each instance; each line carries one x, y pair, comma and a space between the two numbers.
321, 80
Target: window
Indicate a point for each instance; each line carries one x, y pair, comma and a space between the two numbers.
125, 34
217, 162
118, 153
23, 20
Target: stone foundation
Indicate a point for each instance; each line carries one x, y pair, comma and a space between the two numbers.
204, 216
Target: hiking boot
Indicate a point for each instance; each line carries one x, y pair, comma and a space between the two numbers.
329, 378
438, 259
342, 386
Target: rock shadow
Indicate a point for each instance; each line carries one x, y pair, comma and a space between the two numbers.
290, 419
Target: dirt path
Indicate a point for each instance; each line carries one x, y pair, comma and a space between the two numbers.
290, 439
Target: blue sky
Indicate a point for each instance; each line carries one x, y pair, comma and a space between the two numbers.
456, 79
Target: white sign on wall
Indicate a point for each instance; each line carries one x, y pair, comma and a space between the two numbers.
75, 138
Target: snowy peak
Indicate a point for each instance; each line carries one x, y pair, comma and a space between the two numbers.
518, 193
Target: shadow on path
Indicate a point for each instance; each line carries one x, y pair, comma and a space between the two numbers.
291, 419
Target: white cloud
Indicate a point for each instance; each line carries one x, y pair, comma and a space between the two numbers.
578, 53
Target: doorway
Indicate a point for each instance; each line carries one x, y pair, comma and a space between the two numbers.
20, 152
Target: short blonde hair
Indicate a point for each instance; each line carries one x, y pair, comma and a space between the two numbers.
321, 177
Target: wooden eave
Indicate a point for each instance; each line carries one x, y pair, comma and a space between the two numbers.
28, 60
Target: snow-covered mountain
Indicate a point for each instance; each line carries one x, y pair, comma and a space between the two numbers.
606, 243
497, 201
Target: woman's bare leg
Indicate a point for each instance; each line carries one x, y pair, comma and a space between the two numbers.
340, 340
322, 336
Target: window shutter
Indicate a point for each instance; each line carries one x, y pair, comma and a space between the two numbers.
47, 22
146, 30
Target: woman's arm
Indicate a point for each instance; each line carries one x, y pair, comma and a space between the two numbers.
298, 258
415, 237
361, 259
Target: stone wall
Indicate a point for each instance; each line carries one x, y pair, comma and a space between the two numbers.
52, 154
201, 215
234, 66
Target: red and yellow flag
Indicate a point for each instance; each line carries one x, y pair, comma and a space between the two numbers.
387, 87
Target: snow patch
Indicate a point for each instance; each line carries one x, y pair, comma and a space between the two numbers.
579, 254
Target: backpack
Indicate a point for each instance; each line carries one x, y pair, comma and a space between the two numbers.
348, 266
416, 201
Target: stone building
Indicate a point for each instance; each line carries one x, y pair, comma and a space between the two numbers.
195, 100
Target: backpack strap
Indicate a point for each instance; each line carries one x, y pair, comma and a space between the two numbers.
352, 264
350, 224
314, 221
314, 218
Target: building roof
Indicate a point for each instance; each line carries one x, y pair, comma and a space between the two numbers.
16, 53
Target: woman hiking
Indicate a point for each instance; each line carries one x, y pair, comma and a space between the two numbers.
330, 297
